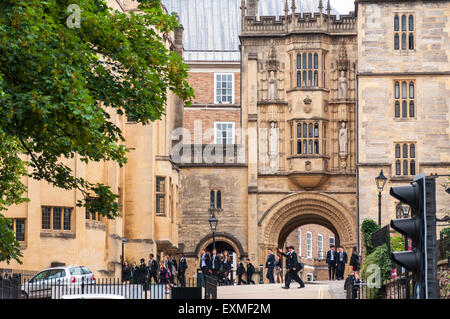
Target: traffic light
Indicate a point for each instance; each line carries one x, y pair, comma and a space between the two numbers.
421, 228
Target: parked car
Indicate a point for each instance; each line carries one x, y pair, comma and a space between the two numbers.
68, 278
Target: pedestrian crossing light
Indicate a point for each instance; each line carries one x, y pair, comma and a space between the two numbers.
421, 229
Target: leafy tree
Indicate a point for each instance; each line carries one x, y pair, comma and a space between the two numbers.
368, 227
60, 88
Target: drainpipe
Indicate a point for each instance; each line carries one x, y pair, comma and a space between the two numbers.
358, 244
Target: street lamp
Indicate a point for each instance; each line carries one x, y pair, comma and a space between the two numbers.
213, 221
381, 181
124, 240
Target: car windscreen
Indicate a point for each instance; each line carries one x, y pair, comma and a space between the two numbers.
56, 273
40, 276
85, 270
74, 271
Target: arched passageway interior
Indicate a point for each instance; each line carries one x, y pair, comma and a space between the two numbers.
221, 246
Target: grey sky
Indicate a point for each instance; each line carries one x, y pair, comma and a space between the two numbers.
343, 6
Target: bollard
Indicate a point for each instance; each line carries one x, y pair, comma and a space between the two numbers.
261, 270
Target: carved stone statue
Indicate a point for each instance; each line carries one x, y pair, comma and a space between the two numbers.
342, 87
273, 145
343, 139
272, 87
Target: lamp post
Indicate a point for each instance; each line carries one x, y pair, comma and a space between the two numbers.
124, 240
213, 221
381, 181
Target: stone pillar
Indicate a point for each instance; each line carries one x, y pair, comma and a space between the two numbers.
252, 8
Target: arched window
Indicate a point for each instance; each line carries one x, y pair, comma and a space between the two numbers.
316, 61
299, 61
412, 167
310, 64
396, 42
404, 41
411, 41
299, 130
397, 109
411, 109
404, 91
305, 146
310, 79
397, 168
411, 23
411, 90
305, 130
304, 60
211, 199
316, 130
396, 23
310, 130
397, 151
304, 79
310, 150
403, 23
299, 147
316, 147
397, 90
299, 79
219, 199
404, 109
405, 150
412, 151
316, 79
405, 167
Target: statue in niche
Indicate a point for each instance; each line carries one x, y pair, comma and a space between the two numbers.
343, 139
342, 87
273, 145
272, 87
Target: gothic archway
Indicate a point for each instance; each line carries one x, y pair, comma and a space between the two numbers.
303, 208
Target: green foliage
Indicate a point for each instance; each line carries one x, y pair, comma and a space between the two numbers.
380, 256
61, 87
397, 243
445, 232
368, 227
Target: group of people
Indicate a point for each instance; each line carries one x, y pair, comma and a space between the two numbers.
217, 265
163, 272
337, 259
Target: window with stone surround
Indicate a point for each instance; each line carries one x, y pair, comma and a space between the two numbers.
299, 242
307, 70
405, 159
160, 195
309, 245
92, 215
215, 199
404, 32
57, 218
320, 246
18, 226
224, 88
404, 99
332, 241
224, 132
306, 138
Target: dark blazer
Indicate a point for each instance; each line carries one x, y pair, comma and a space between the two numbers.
183, 265
270, 261
173, 262
250, 270
207, 261
227, 264
329, 261
217, 262
240, 268
153, 266
344, 257
354, 261
126, 273
294, 261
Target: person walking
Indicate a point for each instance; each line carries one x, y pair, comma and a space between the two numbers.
331, 261
164, 275
270, 265
143, 272
173, 267
341, 262
226, 267
134, 273
182, 271
240, 270
355, 262
351, 286
215, 263
250, 272
152, 269
126, 273
278, 267
205, 262
293, 266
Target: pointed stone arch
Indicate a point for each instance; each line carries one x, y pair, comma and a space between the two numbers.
302, 208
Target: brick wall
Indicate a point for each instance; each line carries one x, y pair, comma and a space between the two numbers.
203, 85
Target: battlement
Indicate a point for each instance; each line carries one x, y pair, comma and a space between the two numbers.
292, 23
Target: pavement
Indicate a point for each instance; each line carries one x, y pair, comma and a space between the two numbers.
314, 290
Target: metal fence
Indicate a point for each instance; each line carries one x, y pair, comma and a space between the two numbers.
398, 288
14, 287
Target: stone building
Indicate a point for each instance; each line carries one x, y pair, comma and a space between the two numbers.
403, 99
52, 230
